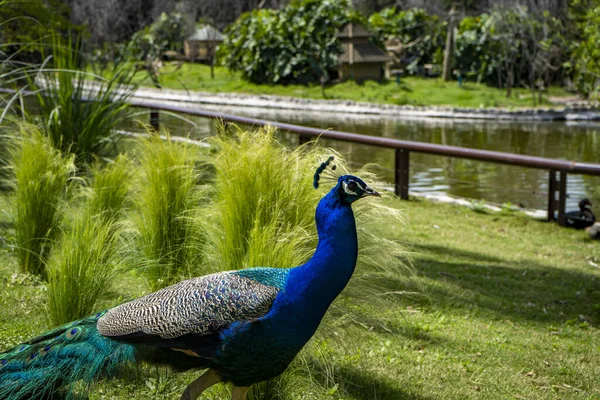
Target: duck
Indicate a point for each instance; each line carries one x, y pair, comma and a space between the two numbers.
581, 219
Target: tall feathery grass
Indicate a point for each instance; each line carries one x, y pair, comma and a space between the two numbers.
110, 187
81, 266
40, 180
167, 200
90, 253
80, 110
264, 202
4, 163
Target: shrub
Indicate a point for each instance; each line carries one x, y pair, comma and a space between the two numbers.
264, 203
87, 256
422, 35
295, 45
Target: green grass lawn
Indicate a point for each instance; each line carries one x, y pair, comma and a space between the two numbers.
411, 90
508, 308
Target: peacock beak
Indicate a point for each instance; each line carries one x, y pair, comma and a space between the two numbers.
370, 192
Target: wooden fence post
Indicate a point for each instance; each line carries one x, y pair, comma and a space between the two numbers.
154, 119
402, 173
557, 196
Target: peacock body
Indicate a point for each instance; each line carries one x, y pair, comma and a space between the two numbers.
245, 326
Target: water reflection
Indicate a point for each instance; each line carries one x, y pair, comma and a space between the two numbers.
434, 174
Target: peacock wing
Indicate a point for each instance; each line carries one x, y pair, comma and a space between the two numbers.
190, 312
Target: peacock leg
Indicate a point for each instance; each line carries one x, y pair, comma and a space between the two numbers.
239, 392
206, 380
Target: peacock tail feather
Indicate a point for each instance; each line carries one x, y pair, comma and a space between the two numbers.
59, 358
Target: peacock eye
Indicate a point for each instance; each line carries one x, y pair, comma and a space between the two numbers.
352, 186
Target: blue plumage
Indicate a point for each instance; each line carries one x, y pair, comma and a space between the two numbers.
245, 326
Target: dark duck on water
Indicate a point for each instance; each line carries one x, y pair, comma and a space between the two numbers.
581, 219
243, 326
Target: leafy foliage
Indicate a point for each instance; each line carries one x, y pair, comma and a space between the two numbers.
422, 35
24, 26
586, 54
166, 33
297, 44
510, 47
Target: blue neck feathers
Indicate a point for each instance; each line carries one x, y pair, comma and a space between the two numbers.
311, 287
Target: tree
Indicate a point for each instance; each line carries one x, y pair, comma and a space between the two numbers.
586, 50
25, 25
511, 47
421, 34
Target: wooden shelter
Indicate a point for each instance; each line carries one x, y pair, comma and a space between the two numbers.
361, 58
201, 46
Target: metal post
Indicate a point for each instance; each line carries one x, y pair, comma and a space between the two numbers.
154, 119
557, 196
552, 185
303, 139
562, 197
402, 173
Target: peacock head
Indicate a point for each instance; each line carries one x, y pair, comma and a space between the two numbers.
349, 188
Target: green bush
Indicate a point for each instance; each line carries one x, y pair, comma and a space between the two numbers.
166, 33
422, 35
509, 47
40, 179
87, 256
297, 44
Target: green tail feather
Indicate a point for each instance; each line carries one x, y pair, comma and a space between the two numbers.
59, 358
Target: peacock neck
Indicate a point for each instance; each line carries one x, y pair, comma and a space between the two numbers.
318, 282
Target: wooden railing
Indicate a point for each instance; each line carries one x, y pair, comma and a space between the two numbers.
557, 169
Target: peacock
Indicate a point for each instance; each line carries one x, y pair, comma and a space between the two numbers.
242, 326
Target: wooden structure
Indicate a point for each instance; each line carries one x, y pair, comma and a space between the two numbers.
201, 46
361, 58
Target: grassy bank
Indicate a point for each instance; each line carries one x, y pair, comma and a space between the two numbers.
411, 90
508, 309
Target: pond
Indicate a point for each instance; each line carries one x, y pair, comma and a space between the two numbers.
429, 174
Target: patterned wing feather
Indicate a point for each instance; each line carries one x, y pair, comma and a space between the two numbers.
200, 306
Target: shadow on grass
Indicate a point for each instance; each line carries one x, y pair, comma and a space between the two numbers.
526, 291
361, 384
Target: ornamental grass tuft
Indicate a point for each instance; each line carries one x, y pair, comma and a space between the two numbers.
167, 200
82, 266
40, 181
